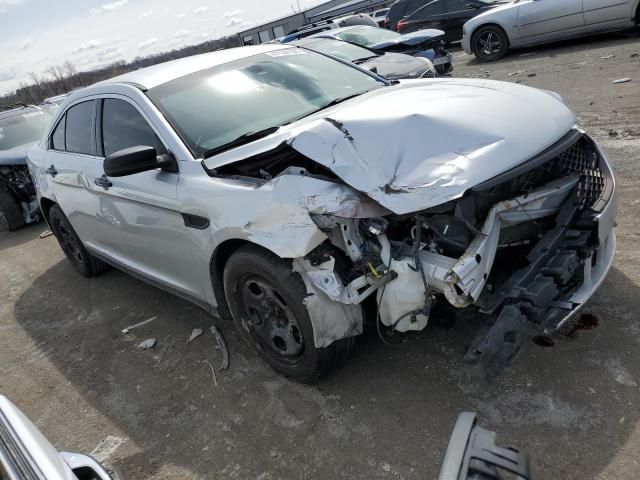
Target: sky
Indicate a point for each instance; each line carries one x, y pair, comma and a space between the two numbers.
36, 34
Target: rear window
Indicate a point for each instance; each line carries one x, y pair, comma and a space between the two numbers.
23, 128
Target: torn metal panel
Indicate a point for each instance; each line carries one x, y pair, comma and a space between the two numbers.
331, 320
467, 278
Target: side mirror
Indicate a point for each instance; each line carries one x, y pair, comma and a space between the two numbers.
137, 159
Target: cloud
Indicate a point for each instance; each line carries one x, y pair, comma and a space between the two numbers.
109, 54
26, 44
200, 10
181, 15
234, 22
6, 73
7, 4
148, 43
232, 13
109, 7
90, 45
146, 14
181, 33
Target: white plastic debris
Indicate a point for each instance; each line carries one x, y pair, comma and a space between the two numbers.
194, 334
131, 327
607, 57
107, 447
46, 233
147, 344
622, 80
222, 345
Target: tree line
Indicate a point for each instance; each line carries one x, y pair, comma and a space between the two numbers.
61, 79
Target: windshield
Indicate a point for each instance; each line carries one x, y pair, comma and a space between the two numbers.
367, 36
338, 48
24, 128
215, 107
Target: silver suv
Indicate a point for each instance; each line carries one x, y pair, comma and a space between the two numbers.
293, 192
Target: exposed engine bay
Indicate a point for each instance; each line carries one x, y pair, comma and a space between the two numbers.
516, 248
16, 180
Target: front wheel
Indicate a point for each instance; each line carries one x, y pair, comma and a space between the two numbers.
265, 298
10, 212
490, 43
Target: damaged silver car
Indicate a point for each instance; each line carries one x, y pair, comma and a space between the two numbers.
289, 190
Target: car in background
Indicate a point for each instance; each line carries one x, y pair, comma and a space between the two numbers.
447, 15
21, 126
490, 35
425, 43
25, 454
325, 25
392, 66
380, 16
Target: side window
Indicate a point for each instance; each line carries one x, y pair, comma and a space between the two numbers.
436, 7
413, 5
123, 127
457, 5
57, 139
79, 128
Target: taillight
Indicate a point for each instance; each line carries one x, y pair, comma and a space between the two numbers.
402, 24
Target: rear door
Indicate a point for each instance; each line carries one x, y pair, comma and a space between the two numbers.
72, 163
458, 12
432, 15
604, 13
139, 223
545, 20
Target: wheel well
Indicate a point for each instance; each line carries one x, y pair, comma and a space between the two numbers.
45, 207
475, 31
637, 17
216, 269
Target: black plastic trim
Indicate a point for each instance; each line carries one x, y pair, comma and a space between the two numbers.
195, 221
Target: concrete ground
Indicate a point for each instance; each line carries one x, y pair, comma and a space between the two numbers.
389, 412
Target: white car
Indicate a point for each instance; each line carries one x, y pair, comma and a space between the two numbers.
522, 23
294, 192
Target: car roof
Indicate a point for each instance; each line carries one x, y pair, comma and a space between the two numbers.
150, 77
17, 110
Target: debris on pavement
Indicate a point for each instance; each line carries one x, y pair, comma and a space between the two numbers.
213, 372
222, 345
131, 327
635, 55
518, 72
607, 57
147, 344
107, 447
532, 75
195, 334
528, 54
46, 233
622, 80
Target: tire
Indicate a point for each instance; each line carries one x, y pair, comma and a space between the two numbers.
489, 43
262, 287
85, 263
10, 212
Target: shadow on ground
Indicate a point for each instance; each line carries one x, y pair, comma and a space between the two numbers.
387, 413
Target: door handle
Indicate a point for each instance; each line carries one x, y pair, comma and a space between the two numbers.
51, 171
103, 182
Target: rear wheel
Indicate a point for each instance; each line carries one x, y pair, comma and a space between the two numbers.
71, 245
266, 301
490, 43
10, 212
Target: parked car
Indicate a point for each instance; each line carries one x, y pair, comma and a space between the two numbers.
532, 22
286, 190
25, 454
380, 16
428, 44
403, 8
325, 25
21, 126
447, 15
392, 66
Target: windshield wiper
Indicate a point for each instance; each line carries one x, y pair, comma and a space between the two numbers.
241, 140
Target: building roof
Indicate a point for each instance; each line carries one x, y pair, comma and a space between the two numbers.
150, 77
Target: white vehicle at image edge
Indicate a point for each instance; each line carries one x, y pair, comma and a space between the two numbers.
25, 454
523, 23
293, 192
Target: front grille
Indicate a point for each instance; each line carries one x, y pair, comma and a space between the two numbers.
429, 74
580, 158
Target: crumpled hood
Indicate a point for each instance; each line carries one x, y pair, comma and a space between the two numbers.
409, 39
424, 142
15, 156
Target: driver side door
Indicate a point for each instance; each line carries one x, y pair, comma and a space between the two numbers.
547, 20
